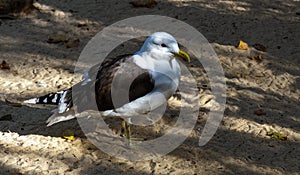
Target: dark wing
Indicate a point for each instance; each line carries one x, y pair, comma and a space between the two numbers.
83, 93
123, 81
95, 91
118, 72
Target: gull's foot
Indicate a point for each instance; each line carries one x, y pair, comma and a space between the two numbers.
126, 133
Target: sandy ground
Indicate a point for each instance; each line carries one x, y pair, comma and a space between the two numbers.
241, 144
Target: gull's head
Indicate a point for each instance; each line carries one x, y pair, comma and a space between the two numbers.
162, 45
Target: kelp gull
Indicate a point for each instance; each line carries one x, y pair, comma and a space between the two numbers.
154, 66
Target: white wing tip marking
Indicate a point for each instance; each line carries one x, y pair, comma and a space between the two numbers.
31, 101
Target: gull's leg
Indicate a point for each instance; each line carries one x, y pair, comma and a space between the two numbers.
126, 132
126, 129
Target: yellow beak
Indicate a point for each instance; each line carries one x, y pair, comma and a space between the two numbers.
183, 55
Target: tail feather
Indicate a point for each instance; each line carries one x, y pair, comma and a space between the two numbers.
64, 101
60, 117
52, 98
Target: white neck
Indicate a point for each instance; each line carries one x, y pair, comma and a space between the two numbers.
164, 64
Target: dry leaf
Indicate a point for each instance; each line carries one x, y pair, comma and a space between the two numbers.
69, 135
257, 58
4, 65
148, 4
259, 112
260, 47
277, 136
58, 38
73, 43
242, 45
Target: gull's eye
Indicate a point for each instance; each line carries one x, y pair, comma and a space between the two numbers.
163, 45
155, 43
